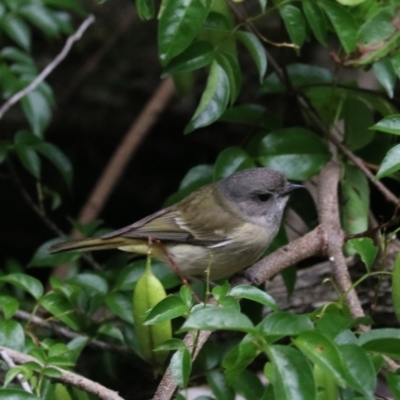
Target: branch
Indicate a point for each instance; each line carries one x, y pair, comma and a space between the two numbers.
348, 153
309, 245
67, 377
10, 363
124, 152
328, 211
167, 385
69, 334
43, 75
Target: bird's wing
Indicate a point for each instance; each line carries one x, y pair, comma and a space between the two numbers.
194, 220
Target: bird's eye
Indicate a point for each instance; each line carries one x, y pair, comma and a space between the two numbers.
264, 197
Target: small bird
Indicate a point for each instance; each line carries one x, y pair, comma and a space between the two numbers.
223, 226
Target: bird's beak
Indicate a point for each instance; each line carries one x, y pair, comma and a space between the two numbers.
292, 187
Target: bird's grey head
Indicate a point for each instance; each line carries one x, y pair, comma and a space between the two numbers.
260, 193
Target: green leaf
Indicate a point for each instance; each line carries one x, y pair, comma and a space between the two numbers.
60, 307
382, 341
27, 154
295, 24
316, 20
17, 30
389, 124
25, 282
395, 60
296, 152
214, 100
293, 378
343, 22
145, 9
393, 380
37, 110
12, 335
386, 76
14, 54
231, 67
256, 50
248, 385
8, 305
378, 28
171, 344
16, 394
322, 352
41, 17
179, 24
285, 324
14, 371
120, 305
239, 358
255, 294
186, 295
395, 287
43, 258
112, 331
195, 178
350, 2
391, 163
251, 114
359, 371
213, 318
300, 75
58, 159
357, 120
217, 382
366, 249
181, 366
197, 55
52, 372
167, 309
73, 5
354, 201
90, 281
231, 160
326, 387
333, 321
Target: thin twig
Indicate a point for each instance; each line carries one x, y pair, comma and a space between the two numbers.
42, 76
125, 19
10, 363
31, 203
305, 105
39, 211
348, 153
69, 334
67, 377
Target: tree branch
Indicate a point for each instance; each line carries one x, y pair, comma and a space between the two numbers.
43, 75
10, 363
67, 377
328, 211
124, 152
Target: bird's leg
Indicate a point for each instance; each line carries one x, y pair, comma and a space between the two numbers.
175, 267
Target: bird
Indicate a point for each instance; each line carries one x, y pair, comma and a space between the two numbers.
216, 231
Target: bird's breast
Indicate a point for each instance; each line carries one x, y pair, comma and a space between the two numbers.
239, 250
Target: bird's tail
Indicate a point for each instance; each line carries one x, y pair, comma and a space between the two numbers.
89, 244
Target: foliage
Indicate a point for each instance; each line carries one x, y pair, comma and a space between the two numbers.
320, 355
